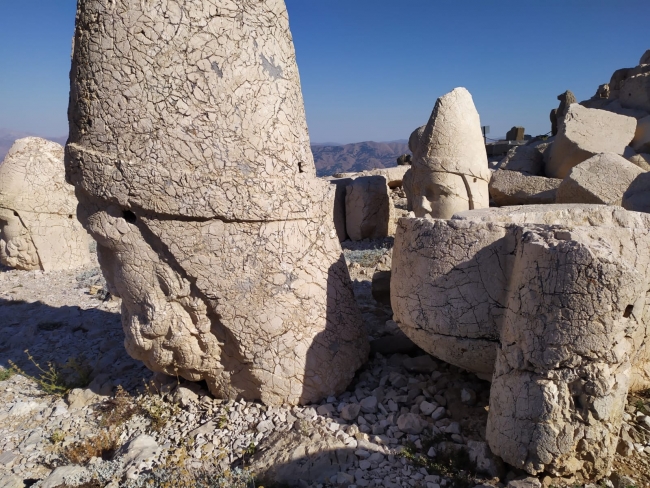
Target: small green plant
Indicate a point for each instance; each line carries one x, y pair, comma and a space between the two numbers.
57, 436
7, 373
222, 422
154, 406
53, 379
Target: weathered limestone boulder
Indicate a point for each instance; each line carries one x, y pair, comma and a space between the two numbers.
514, 188
38, 222
549, 302
558, 114
369, 210
585, 133
449, 172
641, 141
635, 91
515, 134
190, 155
601, 179
524, 159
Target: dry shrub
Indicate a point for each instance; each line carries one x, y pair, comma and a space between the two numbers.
102, 445
119, 409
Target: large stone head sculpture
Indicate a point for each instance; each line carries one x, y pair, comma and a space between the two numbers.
449, 172
190, 154
38, 227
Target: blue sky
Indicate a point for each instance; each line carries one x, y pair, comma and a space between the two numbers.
372, 69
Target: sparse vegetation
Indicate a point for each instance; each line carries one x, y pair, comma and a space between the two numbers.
103, 445
451, 463
57, 436
56, 379
7, 373
368, 258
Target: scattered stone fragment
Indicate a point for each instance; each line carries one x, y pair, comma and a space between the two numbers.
411, 423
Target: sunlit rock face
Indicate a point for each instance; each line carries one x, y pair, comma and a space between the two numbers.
546, 301
190, 154
449, 172
38, 224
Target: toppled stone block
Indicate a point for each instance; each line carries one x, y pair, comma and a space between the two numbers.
585, 133
369, 210
195, 176
38, 210
449, 172
601, 179
515, 134
547, 301
514, 188
528, 160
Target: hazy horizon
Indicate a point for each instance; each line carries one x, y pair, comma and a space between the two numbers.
372, 70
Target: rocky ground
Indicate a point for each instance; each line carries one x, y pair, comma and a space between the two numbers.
75, 410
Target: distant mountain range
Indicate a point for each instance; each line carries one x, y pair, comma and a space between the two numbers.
360, 156
8, 137
329, 158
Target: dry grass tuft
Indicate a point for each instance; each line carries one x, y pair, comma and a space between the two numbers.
103, 445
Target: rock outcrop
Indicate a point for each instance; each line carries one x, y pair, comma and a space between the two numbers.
548, 301
601, 179
449, 172
190, 156
38, 223
585, 133
514, 188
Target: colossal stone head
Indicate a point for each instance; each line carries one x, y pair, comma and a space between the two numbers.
190, 154
449, 170
38, 227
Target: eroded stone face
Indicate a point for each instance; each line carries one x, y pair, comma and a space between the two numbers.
550, 302
190, 154
38, 224
449, 172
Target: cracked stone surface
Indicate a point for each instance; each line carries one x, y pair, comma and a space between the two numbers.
190, 156
550, 302
585, 133
38, 224
449, 172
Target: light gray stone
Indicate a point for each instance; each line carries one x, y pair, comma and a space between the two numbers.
369, 210
585, 133
601, 179
411, 423
515, 188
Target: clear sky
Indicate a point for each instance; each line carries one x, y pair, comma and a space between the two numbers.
372, 69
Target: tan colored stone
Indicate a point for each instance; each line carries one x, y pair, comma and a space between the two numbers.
38, 223
585, 133
514, 188
190, 153
449, 169
393, 176
369, 210
635, 92
601, 179
557, 294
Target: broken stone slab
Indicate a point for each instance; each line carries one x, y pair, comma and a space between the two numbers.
601, 179
38, 222
369, 210
514, 188
641, 141
585, 133
515, 134
449, 172
498, 292
200, 188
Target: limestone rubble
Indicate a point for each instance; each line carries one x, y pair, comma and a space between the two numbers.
190, 156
